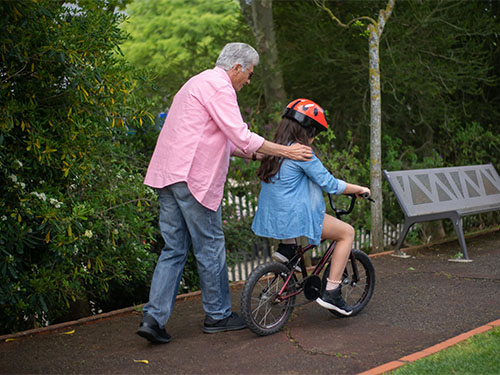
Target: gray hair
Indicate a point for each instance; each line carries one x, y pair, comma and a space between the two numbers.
237, 53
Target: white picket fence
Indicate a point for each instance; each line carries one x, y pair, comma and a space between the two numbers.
242, 263
245, 262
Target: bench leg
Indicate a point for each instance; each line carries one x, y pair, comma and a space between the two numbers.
397, 251
457, 224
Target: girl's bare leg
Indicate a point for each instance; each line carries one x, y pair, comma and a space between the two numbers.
337, 230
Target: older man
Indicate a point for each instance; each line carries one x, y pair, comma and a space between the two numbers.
204, 127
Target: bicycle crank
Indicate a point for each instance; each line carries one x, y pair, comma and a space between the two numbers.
312, 287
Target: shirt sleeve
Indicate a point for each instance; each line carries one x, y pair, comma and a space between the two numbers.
224, 110
316, 171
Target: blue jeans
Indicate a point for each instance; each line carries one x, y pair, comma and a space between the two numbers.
184, 221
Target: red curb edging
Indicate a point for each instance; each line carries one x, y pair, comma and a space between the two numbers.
496, 323
390, 366
376, 255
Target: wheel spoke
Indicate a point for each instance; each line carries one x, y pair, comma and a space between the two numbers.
263, 312
263, 321
356, 291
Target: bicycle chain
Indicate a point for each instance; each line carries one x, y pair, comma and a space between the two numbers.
301, 284
302, 304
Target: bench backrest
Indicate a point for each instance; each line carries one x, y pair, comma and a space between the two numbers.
437, 190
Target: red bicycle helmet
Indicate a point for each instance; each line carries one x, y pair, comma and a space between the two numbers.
306, 113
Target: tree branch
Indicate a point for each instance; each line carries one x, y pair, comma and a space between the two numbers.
322, 5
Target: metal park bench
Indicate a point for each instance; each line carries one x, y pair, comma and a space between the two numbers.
444, 193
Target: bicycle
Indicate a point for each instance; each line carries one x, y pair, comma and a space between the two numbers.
268, 296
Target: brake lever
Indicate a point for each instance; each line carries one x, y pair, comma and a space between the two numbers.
367, 196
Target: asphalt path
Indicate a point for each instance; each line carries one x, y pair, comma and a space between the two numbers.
418, 302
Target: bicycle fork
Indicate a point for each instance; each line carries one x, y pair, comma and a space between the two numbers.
355, 273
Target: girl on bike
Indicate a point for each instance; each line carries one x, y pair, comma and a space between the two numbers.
291, 201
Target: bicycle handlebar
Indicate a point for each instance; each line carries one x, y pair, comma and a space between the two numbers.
367, 196
339, 212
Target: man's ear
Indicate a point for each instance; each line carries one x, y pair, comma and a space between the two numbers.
237, 68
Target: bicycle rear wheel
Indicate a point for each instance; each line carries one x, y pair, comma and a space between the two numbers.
261, 309
356, 293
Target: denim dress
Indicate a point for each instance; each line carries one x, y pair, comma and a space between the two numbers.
292, 204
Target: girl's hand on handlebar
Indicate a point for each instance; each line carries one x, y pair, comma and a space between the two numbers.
363, 193
366, 195
360, 192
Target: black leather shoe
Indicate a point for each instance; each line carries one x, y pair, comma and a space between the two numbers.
151, 331
232, 323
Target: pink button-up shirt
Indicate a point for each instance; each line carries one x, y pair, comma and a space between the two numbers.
202, 129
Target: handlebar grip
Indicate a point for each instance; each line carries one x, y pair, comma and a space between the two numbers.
366, 196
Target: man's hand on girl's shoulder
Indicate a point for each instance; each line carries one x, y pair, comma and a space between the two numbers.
299, 152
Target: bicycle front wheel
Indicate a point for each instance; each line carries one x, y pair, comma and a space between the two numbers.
356, 291
262, 308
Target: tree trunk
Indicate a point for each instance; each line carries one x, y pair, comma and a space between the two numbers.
377, 239
433, 231
259, 15
376, 29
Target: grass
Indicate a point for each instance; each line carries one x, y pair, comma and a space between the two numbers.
478, 355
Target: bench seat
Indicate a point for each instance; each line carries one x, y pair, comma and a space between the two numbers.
445, 193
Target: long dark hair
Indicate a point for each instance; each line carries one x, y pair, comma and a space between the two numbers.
289, 131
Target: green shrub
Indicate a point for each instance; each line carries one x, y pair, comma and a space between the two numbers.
75, 223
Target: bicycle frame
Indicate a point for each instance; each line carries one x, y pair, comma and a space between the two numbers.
268, 296
317, 269
324, 259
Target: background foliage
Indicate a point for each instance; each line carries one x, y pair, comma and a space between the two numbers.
176, 39
439, 81
78, 229
74, 227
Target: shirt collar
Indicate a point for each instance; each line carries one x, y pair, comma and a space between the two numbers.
223, 73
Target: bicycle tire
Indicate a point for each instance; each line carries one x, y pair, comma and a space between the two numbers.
262, 312
357, 295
